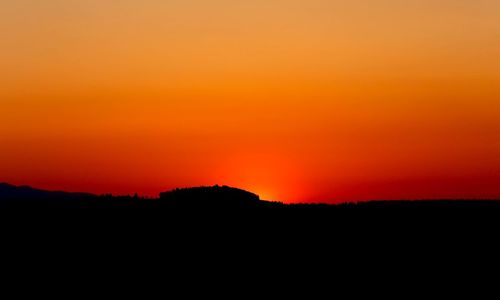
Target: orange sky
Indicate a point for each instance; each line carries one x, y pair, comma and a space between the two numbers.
317, 100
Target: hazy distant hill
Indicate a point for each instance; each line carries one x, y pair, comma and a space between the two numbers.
26, 193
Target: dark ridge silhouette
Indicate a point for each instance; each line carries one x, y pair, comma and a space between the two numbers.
229, 206
216, 196
25, 193
218, 219
206, 229
220, 196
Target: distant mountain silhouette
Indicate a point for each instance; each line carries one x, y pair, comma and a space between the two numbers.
26, 193
199, 214
228, 201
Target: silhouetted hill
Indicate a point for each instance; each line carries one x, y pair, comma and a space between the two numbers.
199, 218
220, 196
190, 227
25, 193
222, 202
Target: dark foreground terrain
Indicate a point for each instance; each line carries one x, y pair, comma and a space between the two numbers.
212, 205
205, 228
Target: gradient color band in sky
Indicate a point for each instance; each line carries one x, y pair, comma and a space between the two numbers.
296, 100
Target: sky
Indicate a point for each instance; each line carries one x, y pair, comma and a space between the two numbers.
297, 101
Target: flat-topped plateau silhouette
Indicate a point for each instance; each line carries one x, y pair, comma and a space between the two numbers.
220, 196
206, 196
216, 197
218, 209
229, 206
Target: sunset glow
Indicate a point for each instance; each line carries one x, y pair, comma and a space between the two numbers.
298, 101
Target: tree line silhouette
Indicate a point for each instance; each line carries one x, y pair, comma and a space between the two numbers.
223, 201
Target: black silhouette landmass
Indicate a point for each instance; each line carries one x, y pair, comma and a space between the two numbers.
224, 199
216, 196
220, 215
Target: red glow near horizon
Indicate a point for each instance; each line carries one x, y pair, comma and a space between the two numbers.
298, 101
